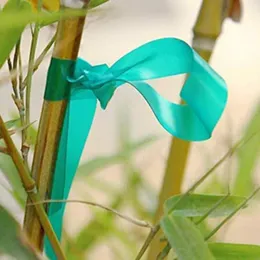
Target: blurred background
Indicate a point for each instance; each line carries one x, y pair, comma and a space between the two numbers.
124, 158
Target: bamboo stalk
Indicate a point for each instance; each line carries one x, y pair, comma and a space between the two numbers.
206, 32
30, 187
69, 34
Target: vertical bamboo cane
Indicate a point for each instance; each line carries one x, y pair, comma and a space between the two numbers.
206, 32
69, 34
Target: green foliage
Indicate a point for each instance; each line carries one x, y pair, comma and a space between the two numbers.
174, 226
9, 37
8, 168
223, 251
16, 15
12, 241
31, 129
21, 18
196, 205
185, 238
10, 124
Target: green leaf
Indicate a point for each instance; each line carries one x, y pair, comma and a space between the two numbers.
12, 241
204, 228
95, 3
223, 251
195, 205
21, 18
8, 168
32, 135
185, 238
50, 20
248, 157
10, 36
11, 123
31, 129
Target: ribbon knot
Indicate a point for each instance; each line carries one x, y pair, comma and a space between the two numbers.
98, 79
204, 91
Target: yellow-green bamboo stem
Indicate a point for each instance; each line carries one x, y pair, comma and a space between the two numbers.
206, 31
66, 47
30, 187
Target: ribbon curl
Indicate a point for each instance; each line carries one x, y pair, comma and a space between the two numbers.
204, 93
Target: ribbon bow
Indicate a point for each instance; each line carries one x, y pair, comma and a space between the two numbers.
204, 93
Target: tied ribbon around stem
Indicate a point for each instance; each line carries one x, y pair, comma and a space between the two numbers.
204, 93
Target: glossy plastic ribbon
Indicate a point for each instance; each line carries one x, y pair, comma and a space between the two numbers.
204, 93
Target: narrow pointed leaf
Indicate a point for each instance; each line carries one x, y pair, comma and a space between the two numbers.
195, 205
31, 130
9, 170
10, 124
9, 37
185, 238
12, 241
22, 17
223, 251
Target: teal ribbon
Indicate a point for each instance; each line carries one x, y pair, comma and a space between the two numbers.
204, 93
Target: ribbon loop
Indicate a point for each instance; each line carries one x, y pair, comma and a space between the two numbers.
204, 91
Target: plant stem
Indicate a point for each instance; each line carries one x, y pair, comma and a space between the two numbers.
148, 241
22, 101
206, 31
18, 96
164, 252
25, 146
137, 222
30, 66
30, 187
41, 57
15, 64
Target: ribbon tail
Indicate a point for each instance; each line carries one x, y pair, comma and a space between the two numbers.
77, 124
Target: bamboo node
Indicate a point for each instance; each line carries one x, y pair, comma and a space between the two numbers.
31, 189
